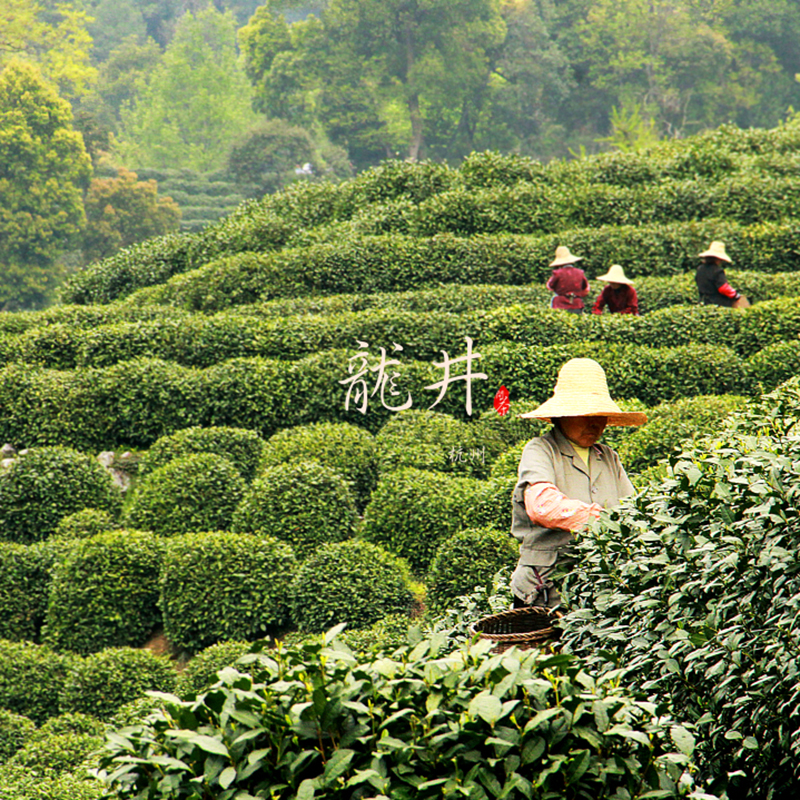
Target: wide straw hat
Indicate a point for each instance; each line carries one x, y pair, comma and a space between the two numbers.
717, 250
564, 257
615, 275
582, 391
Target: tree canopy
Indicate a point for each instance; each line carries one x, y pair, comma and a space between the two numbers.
43, 169
195, 102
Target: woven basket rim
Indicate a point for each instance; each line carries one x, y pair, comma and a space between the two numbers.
519, 636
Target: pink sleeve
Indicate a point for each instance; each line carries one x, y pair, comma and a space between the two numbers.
728, 291
551, 508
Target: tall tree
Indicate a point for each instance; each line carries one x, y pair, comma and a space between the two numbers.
674, 58
43, 170
122, 211
196, 101
55, 38
398, 71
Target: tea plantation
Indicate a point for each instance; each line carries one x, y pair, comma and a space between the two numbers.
305, 390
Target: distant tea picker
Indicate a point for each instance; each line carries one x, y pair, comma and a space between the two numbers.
568, 282
712, 283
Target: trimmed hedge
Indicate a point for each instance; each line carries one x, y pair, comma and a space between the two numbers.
428, 440
105, 592
24, 586
194, 492
468, 559
101, 683
57, 754
206, 341
222, 586
412, 511
673, 425
345, 449
84, 524
301, 503
349, 582
31, 678
243, 448
47, 484
15, 731
135, 403
365, 264
201, 671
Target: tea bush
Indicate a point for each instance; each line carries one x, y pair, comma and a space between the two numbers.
201, 671
57, 754
468, 559
105, 592
70, 722
47, 484
412, 511
519, 724
31, 677
20, 783
24, 586
241, 447
102, 682
349, 582
302, 503
689, 592
347, 450
671, 425
15, 730
84, 524
194, 492
222, 586
432, 441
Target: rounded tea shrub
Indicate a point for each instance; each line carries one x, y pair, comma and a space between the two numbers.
468, 559
71, 722
302, 503
201, 671
84, 524
221, 586
31, 677
47, 484
15, 731
102, 682
24, 585
105, 592
345, 449
198, 492
428, 440
56, 754
354, 582
240, 446
412, 510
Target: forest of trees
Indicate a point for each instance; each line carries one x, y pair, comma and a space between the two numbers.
248, 93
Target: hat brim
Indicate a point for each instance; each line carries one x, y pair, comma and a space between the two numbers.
557, 407
560, 262
710, 254
615, 279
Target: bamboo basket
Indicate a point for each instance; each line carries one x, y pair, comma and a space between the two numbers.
523, 628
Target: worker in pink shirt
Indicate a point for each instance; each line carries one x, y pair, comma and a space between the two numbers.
565, 478
568, 282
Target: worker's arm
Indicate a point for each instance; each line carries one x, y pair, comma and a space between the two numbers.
549, 507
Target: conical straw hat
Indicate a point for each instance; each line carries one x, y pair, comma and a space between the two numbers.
564, 257
615, 275
716, 249
582, 391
